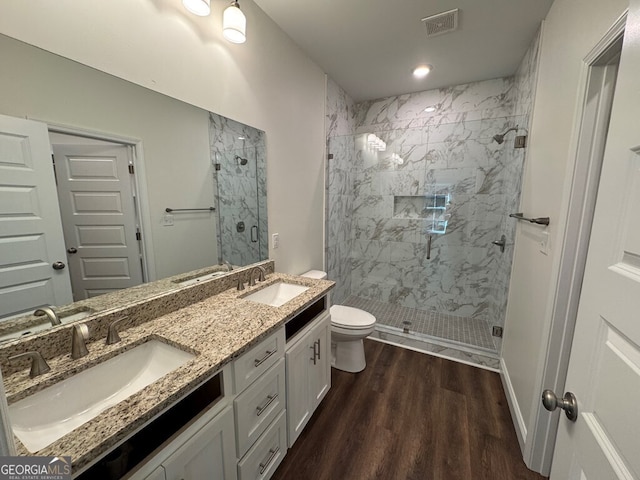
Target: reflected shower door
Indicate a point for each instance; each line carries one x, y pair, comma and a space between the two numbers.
238, 206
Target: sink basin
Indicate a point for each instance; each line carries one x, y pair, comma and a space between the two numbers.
42, 418
276, 294
202, 278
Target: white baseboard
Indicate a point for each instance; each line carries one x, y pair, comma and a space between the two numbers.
514, 408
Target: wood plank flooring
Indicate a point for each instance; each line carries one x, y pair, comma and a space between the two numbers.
409, 416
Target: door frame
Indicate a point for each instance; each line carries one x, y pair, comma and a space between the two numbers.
552, 371
141, 191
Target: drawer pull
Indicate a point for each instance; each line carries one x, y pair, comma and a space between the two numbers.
267, 354
314, 358
270, 399
272, 454
319, 348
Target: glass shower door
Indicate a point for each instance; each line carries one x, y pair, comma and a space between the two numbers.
238, 206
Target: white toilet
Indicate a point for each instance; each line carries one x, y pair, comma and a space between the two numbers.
348, 327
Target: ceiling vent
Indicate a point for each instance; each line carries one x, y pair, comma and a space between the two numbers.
441, 23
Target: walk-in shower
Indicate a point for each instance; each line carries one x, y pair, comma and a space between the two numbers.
410, 229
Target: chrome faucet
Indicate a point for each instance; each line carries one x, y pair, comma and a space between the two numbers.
51, 315
112, 333
38, 364
79, 334
261, 277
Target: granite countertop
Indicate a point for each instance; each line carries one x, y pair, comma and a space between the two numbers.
216, 330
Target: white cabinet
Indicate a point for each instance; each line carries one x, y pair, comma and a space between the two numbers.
266, 454
206, 449
259, 405
308, 373
209, 454
260, 408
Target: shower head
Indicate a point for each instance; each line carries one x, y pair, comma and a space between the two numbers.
240, 160
500, 137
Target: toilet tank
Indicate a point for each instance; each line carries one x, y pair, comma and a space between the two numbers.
317, 274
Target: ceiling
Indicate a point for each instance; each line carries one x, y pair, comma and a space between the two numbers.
370, 47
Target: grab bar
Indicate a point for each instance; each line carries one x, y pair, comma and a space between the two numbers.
208, 209
538, 221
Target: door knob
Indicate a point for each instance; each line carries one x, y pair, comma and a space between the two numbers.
58, 265
569, 403
72, 250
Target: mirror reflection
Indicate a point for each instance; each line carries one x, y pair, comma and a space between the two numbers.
90, 164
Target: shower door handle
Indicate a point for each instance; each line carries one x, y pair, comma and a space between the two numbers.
254, 230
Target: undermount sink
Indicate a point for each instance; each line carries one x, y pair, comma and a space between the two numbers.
277, 294
202, 278
42, 418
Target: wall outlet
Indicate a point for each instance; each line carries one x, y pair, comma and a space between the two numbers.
543, 243
167, 220
275, 240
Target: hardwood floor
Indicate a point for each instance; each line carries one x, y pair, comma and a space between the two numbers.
409, 416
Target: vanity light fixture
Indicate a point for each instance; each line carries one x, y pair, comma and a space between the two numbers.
202, 8
421, 71
234, 24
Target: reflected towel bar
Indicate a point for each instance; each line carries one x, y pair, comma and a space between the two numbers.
208, 209
538, 221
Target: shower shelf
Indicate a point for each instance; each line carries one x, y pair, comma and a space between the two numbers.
431, 208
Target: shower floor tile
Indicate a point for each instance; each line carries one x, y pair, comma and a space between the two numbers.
469, 331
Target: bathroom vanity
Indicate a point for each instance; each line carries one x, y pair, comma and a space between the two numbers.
253, 375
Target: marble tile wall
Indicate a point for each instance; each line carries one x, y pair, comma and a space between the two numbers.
241, 190
523, 96
448, 151
340, 127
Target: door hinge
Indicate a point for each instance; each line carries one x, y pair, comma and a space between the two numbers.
131, 170
217, 166
138, 236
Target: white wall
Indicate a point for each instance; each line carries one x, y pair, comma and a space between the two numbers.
571, 30
175, 138
267, 83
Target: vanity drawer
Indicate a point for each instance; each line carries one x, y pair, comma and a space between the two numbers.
256, 361
258, 406
264, 457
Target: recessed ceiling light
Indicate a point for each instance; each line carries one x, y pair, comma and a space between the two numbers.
430, 109
421, 71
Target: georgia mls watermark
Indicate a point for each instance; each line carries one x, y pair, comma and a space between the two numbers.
35, 468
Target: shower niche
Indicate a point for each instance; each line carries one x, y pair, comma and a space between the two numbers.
430, 207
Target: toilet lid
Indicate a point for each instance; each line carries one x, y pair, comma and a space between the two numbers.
350, 317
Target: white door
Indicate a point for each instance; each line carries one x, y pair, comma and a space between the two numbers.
98, 216
604, 370
30, 229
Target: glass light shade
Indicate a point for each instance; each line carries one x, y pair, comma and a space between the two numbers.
202, 8
234, 24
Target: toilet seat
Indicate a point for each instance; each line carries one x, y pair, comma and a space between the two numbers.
349, 318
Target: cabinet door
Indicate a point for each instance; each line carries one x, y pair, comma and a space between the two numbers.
299, 357
320, 370
210, 453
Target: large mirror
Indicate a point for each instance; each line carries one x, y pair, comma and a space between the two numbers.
133, 188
